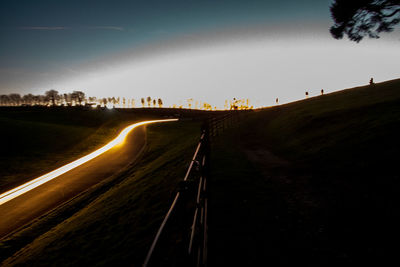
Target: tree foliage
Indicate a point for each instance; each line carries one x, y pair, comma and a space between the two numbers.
78, 96
160, 103
52, 96
360, 18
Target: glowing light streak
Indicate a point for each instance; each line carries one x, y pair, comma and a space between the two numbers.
119, 140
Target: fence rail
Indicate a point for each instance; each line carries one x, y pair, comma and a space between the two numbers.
197, 173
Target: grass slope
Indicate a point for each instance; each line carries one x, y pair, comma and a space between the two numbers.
313, 182
37, 140
115, 222
346, 125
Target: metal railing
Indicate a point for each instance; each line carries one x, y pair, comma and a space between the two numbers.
195, 253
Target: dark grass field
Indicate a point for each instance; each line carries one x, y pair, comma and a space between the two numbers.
114, 222
311, 183
36, 140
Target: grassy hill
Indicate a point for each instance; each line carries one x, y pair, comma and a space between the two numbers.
314, 182
114, 222
36, 140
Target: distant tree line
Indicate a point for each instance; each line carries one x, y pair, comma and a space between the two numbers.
50, 98
76, 98
149, 101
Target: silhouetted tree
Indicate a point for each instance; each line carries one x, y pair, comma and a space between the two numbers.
15, 99
51, 96
277, 101
5, 100
154, 103
360, 18
114, 101
28, 99
160, 103
78, 97
148, 101
306, 94
142, 101
36, 99
67, 99
322, 91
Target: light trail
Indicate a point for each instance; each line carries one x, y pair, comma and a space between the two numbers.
19, 190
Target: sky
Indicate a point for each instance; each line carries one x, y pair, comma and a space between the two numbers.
208, 50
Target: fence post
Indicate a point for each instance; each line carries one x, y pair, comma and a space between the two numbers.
197, 249
205, 174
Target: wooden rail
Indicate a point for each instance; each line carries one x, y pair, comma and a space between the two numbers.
198, 174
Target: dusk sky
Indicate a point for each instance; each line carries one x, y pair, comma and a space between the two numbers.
206, 50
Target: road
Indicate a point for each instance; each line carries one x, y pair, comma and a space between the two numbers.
46, 195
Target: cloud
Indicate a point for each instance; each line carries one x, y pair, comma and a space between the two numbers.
114, 28
44, 28
56, 28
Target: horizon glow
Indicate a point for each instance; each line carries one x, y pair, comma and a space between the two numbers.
258, 69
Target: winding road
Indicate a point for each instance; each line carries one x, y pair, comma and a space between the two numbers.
24, 203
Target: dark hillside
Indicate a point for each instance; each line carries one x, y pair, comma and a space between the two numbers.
359, 125
114, 222
314, 182
36, 140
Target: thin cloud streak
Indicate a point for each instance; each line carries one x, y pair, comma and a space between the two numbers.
44, 28
114, 28
49, 28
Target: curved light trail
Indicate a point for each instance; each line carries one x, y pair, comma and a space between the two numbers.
19, 190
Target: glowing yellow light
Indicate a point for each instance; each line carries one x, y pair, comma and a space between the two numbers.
13, 193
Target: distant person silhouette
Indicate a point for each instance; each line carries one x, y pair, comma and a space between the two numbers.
371, 81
